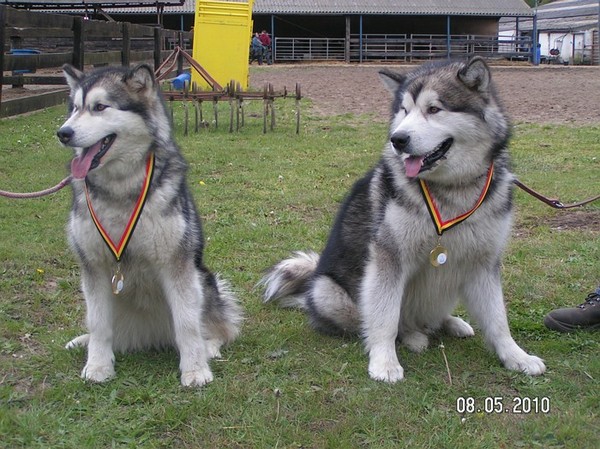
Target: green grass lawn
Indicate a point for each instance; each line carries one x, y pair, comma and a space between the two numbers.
281, 384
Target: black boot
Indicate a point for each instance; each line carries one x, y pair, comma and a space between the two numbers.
585, 316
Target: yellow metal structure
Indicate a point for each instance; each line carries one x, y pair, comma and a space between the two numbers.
222, 35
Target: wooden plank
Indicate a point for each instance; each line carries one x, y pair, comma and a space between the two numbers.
141, 31
32, 62
141, 56
33, 103
22, 18
99, 29
103, 58
36, 80
114, 57
39, 33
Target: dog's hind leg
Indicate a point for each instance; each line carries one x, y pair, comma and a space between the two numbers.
415, 341
79, 342
457, 327
330, 308
484, 301
222, 314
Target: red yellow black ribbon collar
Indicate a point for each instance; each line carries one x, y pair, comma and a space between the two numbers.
118, 248
436, 217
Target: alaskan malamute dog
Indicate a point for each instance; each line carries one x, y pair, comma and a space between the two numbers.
425, 228
136, 232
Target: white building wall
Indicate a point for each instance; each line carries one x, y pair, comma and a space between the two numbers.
574, 47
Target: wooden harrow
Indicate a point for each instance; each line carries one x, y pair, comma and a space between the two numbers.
232, 93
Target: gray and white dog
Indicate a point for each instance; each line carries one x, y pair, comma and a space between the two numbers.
421, 231
136, 231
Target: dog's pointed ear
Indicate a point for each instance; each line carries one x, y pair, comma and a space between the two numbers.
476, 74
391, 80
141, 78
72, 75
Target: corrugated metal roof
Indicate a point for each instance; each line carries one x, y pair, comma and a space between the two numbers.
568, 8
73, 4
562, 15
404, 7
495, 8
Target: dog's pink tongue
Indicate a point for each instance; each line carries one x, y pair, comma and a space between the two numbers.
81, 165
412, 165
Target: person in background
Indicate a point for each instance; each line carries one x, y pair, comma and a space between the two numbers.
265, 39
585, 316
257, 50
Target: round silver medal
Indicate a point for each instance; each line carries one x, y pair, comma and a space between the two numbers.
438, 256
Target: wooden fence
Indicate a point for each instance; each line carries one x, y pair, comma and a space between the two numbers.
32, 41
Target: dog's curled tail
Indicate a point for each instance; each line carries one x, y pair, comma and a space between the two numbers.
287, 282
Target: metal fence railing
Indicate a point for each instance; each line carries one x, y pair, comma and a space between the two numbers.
399, 47
306, 48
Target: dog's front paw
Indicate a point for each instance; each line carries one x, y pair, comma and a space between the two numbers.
384, 365
528, 364
98, 373
196, 378
387, 372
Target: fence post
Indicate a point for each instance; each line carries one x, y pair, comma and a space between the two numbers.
157, 47
126, 51
180, 56
2, 37
16, 42
347, 41
78, 42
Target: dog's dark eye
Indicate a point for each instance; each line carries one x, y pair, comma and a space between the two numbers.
433, 110
100, 107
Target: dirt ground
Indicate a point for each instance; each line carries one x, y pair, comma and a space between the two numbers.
544, 94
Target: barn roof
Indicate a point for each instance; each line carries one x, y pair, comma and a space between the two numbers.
561, 15
495, 8
401, 7
104, 4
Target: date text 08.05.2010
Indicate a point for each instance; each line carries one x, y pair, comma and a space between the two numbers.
499, 404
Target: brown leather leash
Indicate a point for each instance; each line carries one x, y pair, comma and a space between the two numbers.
553, 202
56, 188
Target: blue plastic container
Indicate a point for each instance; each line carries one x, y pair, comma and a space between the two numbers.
179, 81
24, 51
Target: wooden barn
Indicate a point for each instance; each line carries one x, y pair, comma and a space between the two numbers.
345, 30
359, 30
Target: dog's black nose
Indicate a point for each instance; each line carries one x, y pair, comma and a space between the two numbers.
65, 134
400, 140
